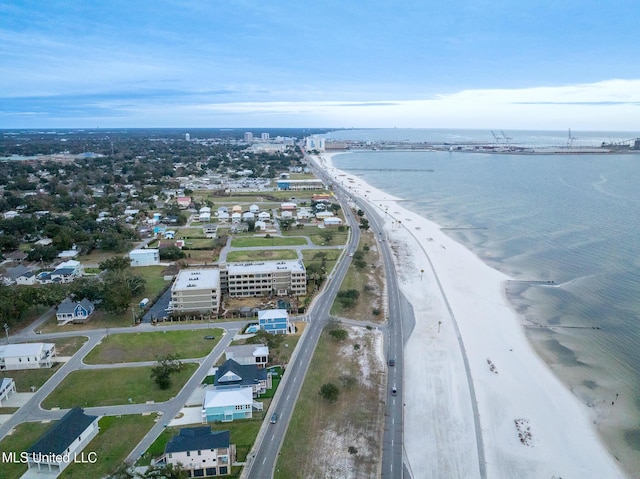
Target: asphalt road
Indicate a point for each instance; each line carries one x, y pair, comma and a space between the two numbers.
397, 307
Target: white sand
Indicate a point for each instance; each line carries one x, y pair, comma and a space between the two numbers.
440, 438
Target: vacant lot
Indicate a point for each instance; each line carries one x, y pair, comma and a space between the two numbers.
136, 347
341, 438
117, 437
263, 255
23, 437
365, 275
266, 242
110, 387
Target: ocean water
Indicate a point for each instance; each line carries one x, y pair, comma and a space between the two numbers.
571, 219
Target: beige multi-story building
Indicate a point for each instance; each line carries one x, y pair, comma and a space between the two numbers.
264, 278
196, 290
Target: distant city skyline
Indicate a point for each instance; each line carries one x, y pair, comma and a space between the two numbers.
457, 64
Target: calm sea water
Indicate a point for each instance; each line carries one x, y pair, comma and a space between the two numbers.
572, 219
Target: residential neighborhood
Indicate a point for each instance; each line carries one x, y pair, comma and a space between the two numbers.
243, 245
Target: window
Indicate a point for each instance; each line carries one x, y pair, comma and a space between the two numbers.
188, 453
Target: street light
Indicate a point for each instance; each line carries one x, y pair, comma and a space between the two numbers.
6, 330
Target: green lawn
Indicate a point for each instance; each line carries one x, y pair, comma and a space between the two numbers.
23, 437
117, 437
266, 242
338, 238
264, 255
110, 387
26, 378
136, 347
243, 434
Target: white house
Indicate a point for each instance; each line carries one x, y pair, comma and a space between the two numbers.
254, 209
7, 387
66, 439
332, 221
201, 452
236, 217
27, 356
223, 218
204, 217
247, 354
28, 278
144, 257
264, 216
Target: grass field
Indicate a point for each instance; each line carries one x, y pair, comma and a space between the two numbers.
338, 238
264, 255
369, 281
250, 241
23, 437
110, 387
117, 437
136, 347
320, 433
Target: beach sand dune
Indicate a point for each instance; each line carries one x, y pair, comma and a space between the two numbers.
531, 425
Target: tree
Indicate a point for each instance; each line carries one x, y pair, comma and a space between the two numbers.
364, 224
161, 373
171, 253
329, 392
117, 263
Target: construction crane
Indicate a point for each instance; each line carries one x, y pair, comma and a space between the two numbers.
506, 138
570, 139
496, 138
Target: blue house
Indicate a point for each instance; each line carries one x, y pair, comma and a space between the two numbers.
227, 405
275, 321
78, 311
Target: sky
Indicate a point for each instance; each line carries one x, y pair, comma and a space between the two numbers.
532, 64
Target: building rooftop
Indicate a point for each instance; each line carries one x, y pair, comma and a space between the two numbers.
233, 374
265, 267
24, 349
59, 437
197, 279
197, 439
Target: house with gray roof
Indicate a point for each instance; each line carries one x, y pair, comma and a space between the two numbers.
233, 375
201, 452
63, 442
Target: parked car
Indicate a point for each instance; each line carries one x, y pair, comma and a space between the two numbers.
209, 337
274, 418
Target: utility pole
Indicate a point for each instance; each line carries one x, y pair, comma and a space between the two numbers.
6, 330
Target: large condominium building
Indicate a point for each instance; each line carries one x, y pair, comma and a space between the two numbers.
196, 290
264, 278
298, 185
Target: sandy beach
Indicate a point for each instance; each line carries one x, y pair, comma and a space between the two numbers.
467, 353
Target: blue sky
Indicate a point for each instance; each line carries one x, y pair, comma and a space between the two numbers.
211, 63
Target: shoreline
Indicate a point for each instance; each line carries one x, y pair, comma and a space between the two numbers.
516, 391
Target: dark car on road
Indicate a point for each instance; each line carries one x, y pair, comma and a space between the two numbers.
394, 391
392, 362
274, 418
